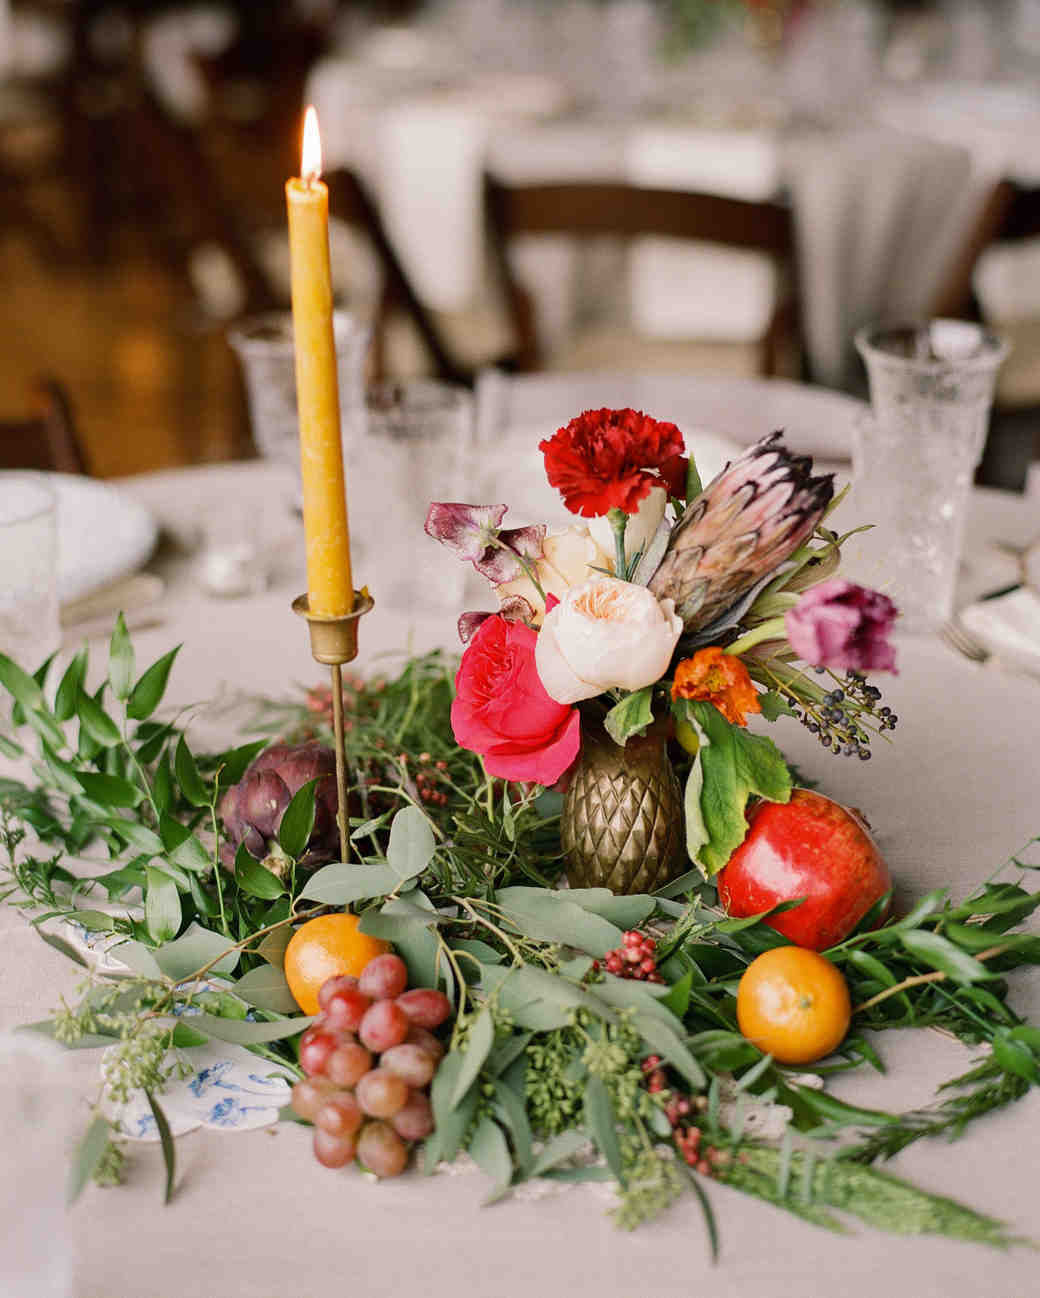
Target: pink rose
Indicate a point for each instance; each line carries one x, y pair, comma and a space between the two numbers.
502, 711
840, 624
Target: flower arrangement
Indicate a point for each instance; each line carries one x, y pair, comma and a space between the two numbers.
673, 608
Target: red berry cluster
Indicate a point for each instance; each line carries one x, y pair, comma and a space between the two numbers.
430, 773
679, 1110
369, 1057
635, 958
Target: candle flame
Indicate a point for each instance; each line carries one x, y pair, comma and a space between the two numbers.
310, 165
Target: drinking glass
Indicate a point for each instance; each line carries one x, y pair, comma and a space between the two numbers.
37, 1107
416, 447
264, 345
931, 388
29, 624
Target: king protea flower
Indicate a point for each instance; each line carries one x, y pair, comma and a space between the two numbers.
741, 527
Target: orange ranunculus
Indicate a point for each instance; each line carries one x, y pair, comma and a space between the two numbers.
719, 678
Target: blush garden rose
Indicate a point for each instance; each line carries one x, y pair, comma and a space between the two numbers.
605, 634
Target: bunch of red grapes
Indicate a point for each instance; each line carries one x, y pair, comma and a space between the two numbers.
369, 1058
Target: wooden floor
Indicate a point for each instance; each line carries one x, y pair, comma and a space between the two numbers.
152, 385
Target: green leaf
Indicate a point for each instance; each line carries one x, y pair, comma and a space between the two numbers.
70, 686
162, 786
510, 1106
96, 721
601, 1125
478, 1044
340, 884
241, 1032
547, 915
255, 879
147, 694
109, 790
165, 1138
625, 912
10, 749
678, 998
941, 954
162, 905
540, 1001
87, 1156
272, 948
709, 1215
59, 944
452, 1123
45, 726
412, 938
138, 836
234, 762
298, 821
266, 988
489, 1151
121, 660
563, 1146
196, 947
20, 685
736, 764
1015, 1057
631, 716
666, 1042
928, 905
188, 777
411, 845
138, 958
88, 1041
697, 832
774, 705
181, 845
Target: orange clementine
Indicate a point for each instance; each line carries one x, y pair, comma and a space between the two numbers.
324, 948
794, 1004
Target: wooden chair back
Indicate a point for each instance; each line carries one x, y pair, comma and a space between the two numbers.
46, 437
587, 209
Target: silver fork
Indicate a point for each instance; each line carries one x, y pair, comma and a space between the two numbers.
966, 645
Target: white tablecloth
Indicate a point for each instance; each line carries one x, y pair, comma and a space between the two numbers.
254, 1216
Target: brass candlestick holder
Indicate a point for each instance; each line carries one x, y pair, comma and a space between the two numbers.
334, 641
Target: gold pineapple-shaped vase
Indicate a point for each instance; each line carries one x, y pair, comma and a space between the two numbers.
622, 822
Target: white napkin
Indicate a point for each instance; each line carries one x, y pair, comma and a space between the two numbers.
1008, 626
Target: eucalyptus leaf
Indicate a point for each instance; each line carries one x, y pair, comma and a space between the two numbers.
96, 721
196, 947
60, 944
625, 912
413, 938
241, 1032
479, 1042
547, 915
298, 821
411, 845
121, 660
452, 1123
166, 1141
601, 1124
188, 777
272, 947
340, 885
162, 905
87, 1156
510, 1108
561, 1147
631, 716
266, 988
489, 1151
147, 694
666, 1042
650, 559
87, 1041
541, 1001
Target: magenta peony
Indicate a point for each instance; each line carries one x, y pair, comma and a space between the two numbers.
502, 711
840, 624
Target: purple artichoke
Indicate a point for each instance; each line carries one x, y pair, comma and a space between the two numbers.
252, 809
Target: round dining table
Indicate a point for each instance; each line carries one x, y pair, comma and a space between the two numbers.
253, 1215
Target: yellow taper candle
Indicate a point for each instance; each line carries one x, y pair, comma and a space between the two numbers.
330, 589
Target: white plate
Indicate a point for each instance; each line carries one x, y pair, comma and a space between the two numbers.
102, 534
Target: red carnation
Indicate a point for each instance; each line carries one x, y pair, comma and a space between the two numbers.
609, 459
